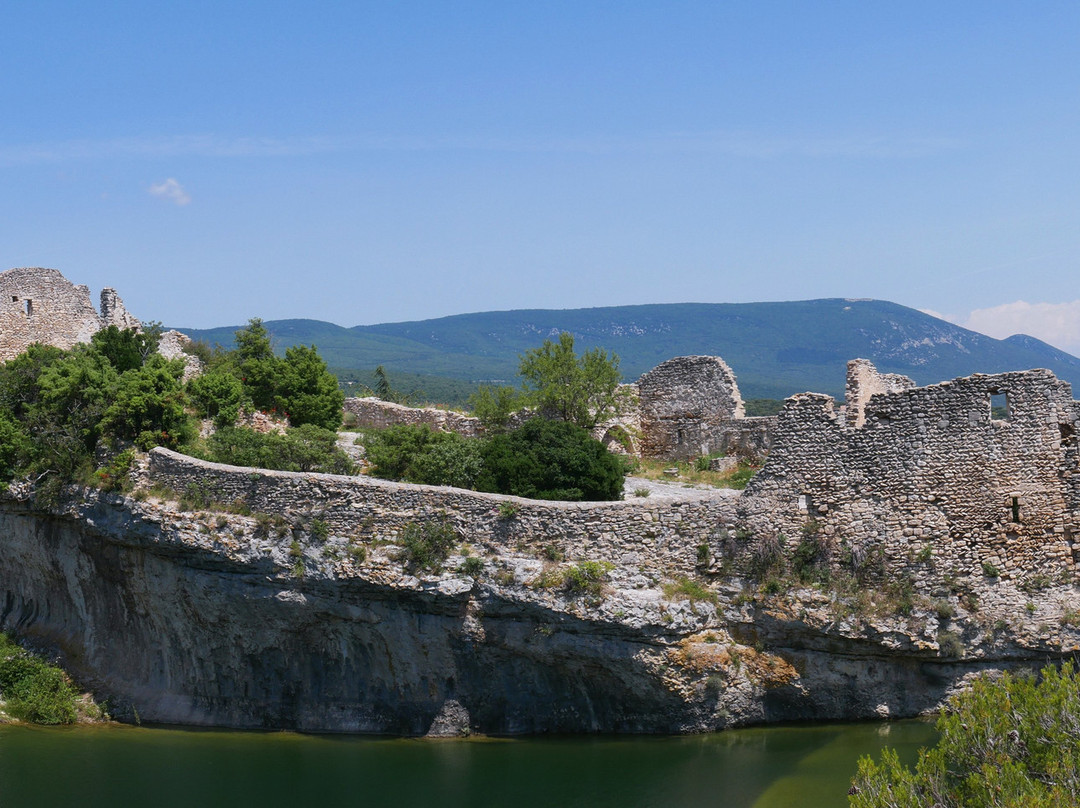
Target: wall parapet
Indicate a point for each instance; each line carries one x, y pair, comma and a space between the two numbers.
661, 536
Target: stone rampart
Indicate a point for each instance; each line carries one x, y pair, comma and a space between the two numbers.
378, 414
660, 536
926, 476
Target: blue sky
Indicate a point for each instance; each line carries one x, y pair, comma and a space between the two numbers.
367, 162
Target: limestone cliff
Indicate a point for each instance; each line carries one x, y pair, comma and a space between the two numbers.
306, 614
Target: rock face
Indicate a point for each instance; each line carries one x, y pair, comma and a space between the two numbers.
41, 305
308, 614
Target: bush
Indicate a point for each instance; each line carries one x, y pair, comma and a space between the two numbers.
428, 544
448, 460
303, 448
553, 460
586, 577
1006, 742
33, 690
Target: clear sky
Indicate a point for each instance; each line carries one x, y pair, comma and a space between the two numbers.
367, 162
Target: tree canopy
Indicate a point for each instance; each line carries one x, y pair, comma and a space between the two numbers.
1012, 741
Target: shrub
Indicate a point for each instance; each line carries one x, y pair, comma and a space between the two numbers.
1010, 741
427, 544
989, 570
33, 690
472, 566
508, 510
449, 460
304, 448
586, 577
320, 530
557, 460
688, 589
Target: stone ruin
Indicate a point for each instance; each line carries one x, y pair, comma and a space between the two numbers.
41, 305
905, 472
686, 407
690, 406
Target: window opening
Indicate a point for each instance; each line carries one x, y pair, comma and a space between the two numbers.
29, 307
805, 503
679, 436
14, 298
1015, 508
999, 406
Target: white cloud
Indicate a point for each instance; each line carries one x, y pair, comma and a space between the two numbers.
1055, 323
170, 190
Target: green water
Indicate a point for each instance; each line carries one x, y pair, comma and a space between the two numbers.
125, 766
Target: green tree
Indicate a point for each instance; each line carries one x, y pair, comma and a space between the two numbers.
304, 448
217, 394
126, 349
449, 460
495, 406
393, 451
1013, 741
560, 384
545, 459
306, 391
148, 406
256, 364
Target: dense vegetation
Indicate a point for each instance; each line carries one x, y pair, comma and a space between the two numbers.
32, 690
541, 459
1014, 741
76, 414
550, 456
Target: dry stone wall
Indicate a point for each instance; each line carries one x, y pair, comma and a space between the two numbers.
691, 406
41, 305
378, 414
927, 476
660, 536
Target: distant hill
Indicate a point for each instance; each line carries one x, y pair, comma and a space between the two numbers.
776, 349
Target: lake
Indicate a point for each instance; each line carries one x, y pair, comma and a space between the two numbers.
131, 766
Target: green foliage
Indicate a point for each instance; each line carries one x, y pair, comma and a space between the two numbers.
393, 450
217, 394
256, 364
127, 349
586, 578
306, 391
688, 589
115, 475
449, 460
989, 570
472, 566
148, 406
1014, 741
427, 544
508, 510
33, 690
303, 448
557, 460
320, 530
562, 385
494, 406
757, 407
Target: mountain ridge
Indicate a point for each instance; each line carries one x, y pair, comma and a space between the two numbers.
775, 348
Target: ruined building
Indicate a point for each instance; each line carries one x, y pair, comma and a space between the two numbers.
977, 475
41, 305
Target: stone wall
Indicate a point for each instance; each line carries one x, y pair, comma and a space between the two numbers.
925, 476
691, 406
41, 305
378, 414
660, 536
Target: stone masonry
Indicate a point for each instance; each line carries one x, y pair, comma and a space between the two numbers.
41, 305
926, 473
685, 407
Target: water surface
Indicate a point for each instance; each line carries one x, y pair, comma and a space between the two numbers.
113, 766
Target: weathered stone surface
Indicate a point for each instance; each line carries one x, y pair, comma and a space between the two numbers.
928, 470
41, 305
378, 414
